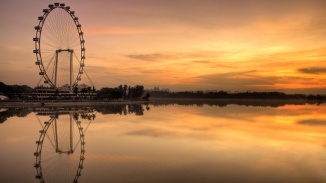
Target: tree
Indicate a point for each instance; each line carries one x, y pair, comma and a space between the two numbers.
109, 93
125, 89
147, 96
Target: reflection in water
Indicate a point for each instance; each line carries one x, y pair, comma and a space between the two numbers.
7, 113
61, 147
124, 109
169, 143
136, 109
240, 102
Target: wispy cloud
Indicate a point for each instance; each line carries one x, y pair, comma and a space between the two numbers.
313, 70
119, 30
147, 57
312, 122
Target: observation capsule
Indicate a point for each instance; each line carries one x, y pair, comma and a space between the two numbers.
51, 6
37, 63
56, 4
35, 39
40, 18
37, 27
45, 10
67, 7
41, 73
35, 51
62, 4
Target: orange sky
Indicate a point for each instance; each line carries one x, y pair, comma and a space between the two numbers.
231, 45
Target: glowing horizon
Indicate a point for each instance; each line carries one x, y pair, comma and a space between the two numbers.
257, 45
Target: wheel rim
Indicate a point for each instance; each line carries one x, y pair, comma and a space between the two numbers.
58, 31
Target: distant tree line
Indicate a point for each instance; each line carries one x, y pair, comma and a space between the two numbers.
226, 95
121, 92
11, 90
137, 92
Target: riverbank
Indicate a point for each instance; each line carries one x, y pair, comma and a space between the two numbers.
164, 101
6, 104
240, 102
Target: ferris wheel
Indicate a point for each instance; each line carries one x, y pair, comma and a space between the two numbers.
59, 47
60, 149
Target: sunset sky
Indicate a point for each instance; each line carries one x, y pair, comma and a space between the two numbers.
232, 45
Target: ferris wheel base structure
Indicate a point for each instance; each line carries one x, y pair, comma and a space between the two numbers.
59, 48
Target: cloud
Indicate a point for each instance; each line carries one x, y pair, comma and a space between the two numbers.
247, 80
150, 133
201, 62
313, 70
312, 122
146, 57
119, 31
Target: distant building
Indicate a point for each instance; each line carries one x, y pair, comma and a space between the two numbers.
2, 97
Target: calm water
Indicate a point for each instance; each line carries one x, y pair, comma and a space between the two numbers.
165, 143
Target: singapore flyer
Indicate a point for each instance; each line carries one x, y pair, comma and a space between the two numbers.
59, 47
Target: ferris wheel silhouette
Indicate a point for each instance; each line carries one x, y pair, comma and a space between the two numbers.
59, 47
60, 150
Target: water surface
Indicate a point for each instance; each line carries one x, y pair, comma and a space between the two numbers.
164, 143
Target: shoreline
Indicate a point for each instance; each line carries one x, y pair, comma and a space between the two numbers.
162, 101
67, 103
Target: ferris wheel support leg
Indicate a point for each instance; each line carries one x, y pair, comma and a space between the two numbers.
71, 135
56, 136
71, 69
56, 69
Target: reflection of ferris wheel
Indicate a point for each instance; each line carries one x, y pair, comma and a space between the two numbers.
59, 47
60, 150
